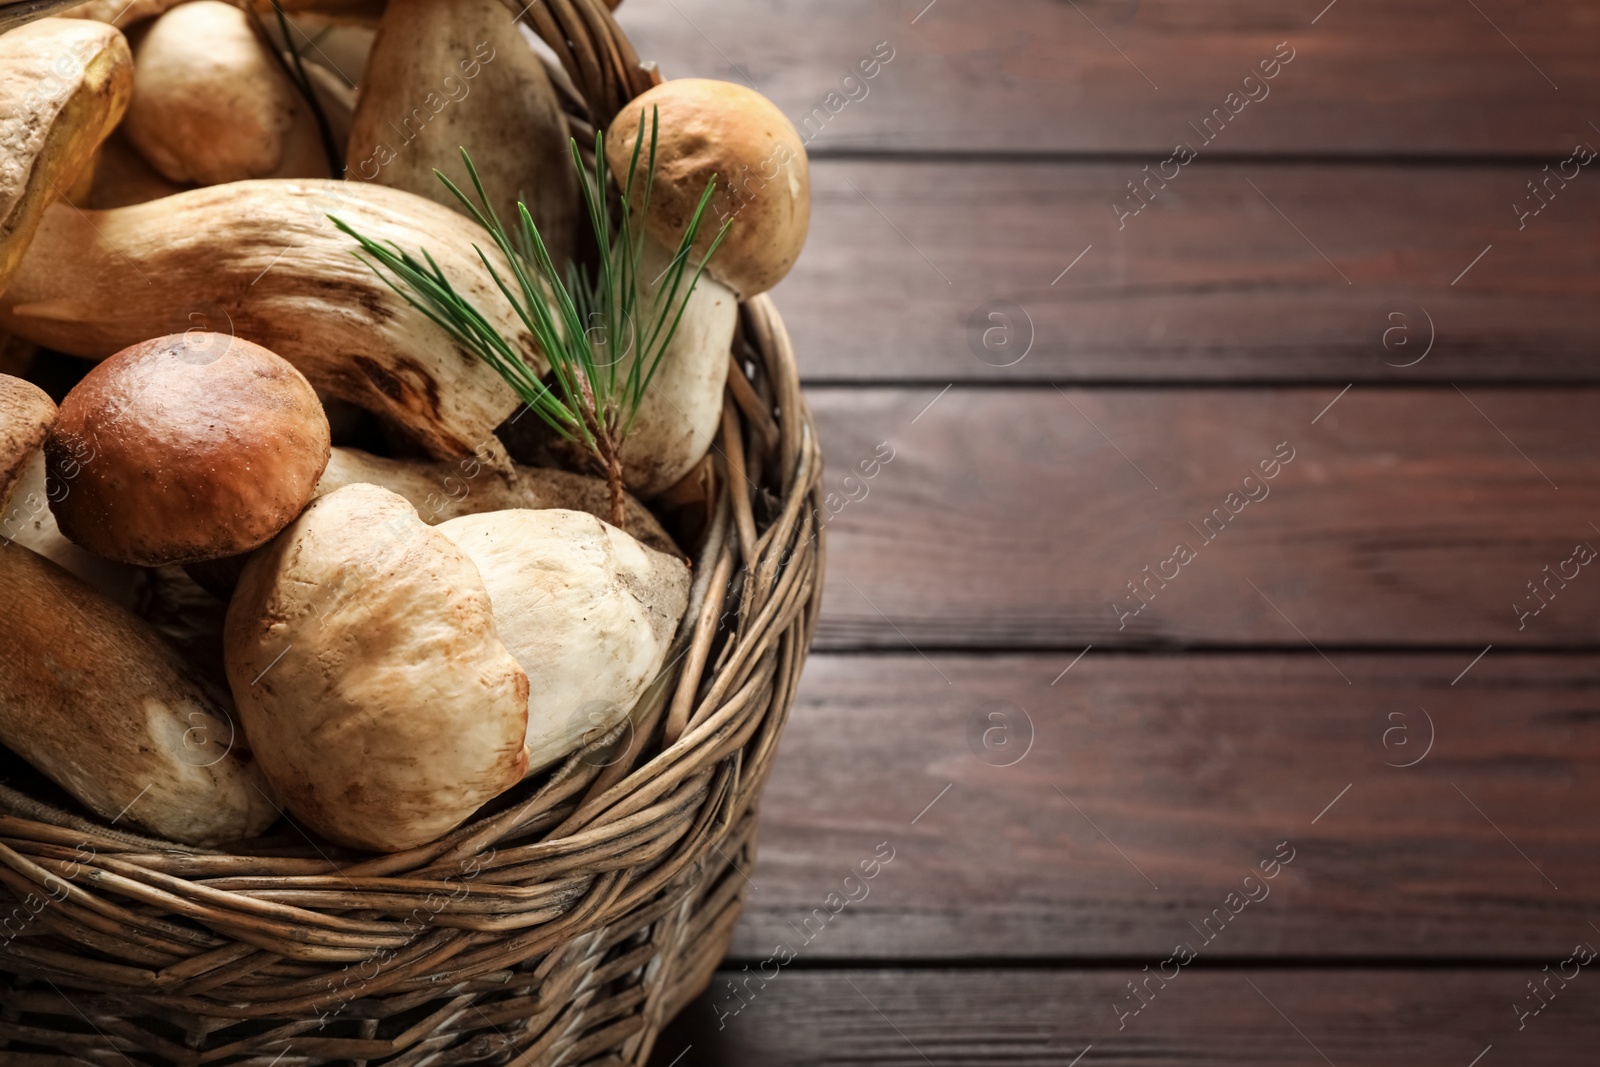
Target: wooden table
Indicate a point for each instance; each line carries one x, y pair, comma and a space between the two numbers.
1210, 629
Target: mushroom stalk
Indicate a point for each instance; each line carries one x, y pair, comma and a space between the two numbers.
261, 259
680, 413
93, 698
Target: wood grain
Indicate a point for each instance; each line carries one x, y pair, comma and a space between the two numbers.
1267, 271
1287, 1018
1013, 518
1414, 77
1109, 813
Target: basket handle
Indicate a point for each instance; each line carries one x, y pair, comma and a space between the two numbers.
593, 50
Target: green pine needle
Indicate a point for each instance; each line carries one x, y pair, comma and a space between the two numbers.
604, 334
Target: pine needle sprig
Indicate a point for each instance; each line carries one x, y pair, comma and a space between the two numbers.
604, 333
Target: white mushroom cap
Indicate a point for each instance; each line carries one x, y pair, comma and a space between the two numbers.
363, 654
587, 610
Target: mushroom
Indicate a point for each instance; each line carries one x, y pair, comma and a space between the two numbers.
442, 77
362, 651
707, 131
382, 666
93, 698
64, 85
212, 104
263, 256
715, 129
185, 448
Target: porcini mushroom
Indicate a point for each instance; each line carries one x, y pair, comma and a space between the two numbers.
395, 676
90, 696
64, 85
212, 104
264, 256
361, 648
707, 131
716, 129
443, 77
202, 445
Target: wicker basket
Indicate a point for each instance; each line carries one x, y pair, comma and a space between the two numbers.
563, 926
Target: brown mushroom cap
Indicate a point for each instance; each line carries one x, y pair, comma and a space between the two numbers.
186, 448
715, 129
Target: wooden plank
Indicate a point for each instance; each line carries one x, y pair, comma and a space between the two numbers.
1015, 518
1234, 271
1422, 76
1288, 1018
1106, 811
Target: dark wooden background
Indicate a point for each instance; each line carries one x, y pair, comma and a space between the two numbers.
1341, 273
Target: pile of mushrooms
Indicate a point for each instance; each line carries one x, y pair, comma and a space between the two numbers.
264, 546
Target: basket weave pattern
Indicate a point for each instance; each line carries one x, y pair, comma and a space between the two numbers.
566, 925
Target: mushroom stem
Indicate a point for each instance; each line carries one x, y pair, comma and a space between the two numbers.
262, 260
93, 698
682, 408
